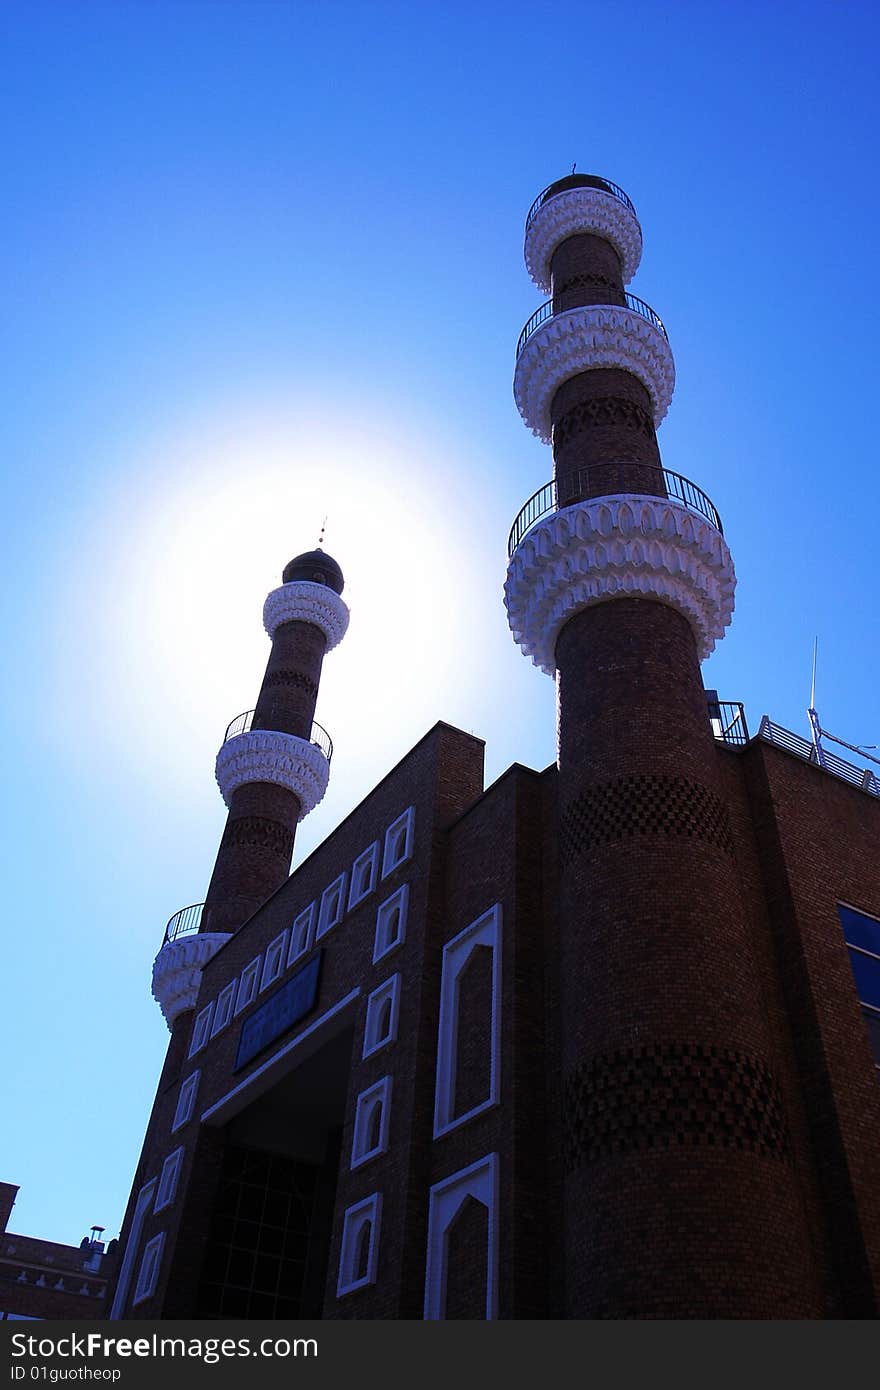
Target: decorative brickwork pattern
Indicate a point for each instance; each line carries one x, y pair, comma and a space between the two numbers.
642, 805
291, 680
258, 832
655, 1097
567, 293
603, 410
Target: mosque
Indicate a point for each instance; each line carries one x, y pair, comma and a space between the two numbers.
600, 1040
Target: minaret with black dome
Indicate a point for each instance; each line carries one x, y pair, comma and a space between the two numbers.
272, 770
679, 1196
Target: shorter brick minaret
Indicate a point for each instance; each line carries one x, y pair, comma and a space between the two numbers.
272, 769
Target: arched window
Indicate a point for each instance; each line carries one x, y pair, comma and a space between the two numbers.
371, 1122
359, 1254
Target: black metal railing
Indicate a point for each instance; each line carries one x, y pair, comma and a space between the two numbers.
579, 181
551, 307
242, 723
184, 922
574, 487
728, 720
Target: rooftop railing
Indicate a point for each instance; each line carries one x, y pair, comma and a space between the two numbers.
563, 492
242, 723
728, 722
802, 748
184, 923
578, 181
551, 307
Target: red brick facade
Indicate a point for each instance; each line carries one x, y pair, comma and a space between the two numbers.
726, 1115
46, 1279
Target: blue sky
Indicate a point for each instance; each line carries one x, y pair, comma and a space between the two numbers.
263, 261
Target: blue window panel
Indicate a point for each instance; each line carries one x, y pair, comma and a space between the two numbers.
860, 930
872, 1021
866, 970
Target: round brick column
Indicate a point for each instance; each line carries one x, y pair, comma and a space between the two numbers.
680, 1200
603, 426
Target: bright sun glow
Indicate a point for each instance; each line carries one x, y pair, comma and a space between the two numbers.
175, 588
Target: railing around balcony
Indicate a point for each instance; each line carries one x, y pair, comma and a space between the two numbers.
554, 306
579, 181
184, 923
244, 722
562, 492
728, 720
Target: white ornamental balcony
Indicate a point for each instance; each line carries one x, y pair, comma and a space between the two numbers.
305, 602
177, 970
625, 546
578, 204
553, 347
300, 765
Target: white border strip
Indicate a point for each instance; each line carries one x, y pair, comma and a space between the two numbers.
277, 1056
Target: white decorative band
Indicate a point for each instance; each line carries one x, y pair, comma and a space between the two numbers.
265, 755
575, 211
177, 971
577, 340
626, 546
304, 602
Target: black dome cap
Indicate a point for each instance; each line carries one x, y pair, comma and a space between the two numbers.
317, 567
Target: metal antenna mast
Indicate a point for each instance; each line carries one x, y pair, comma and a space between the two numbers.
811, 712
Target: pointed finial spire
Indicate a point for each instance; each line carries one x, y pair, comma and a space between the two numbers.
574, 166
321, 536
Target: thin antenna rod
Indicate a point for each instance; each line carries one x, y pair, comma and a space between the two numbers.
811, 712
819, 733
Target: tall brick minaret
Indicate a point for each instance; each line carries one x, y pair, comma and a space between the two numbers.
272, 769
679, 1200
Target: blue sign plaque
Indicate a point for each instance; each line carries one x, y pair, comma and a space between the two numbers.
290, 1003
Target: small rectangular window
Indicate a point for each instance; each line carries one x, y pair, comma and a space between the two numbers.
359, 1255
274, 963
247, 985
862, 936
148, 1274
167, 1190
398, 842
186, 1101
302, 934
383, 1006
332, 905
363, 875
201, 1028
223, 1011
391, 923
